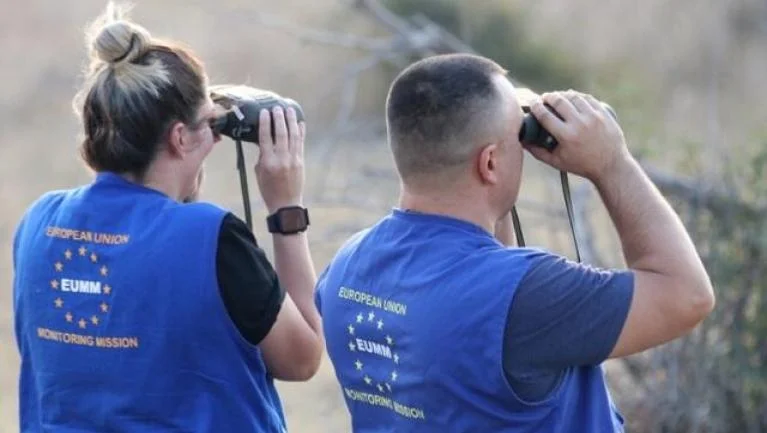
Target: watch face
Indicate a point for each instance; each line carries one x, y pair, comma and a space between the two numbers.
293, 219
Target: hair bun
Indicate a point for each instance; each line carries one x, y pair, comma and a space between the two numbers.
114, 39
120, 41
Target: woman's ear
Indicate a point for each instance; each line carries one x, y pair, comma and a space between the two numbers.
177, 137
487, 164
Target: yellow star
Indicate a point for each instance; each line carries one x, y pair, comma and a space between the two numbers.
82, 251
55, 284
388, 386
351, 330
380, 323
352, 347
394, 376
95, 320
389, 340
68, 316
104, 307
368, 380
94, 257
82, 323
68, 254
371, 316
396, 358
107, 289
358, 364
59, 266
380, 388
104, 271
359, 318
59, 302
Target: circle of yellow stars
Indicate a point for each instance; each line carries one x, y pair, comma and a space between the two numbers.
59, 265
378, 324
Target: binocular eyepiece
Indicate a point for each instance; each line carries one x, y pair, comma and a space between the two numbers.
243, 106
533, 133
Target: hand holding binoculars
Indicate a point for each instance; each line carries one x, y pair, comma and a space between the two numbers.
243, 105
532, 133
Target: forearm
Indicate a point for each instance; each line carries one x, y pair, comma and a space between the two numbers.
652, 235
295, 269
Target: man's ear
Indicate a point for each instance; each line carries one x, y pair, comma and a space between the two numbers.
487, 164
177, 139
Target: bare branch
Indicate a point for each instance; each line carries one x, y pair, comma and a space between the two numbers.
394, 23
715, 199
344, 40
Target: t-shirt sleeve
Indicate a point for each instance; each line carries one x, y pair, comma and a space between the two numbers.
564, 314
248, 283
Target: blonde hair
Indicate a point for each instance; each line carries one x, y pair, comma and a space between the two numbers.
135, 88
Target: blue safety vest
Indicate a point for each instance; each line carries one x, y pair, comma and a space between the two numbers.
120, 323
414, 313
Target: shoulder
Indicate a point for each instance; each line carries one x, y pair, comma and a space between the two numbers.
196, 215
50, 199
547, 269
512, 263
353, 241
44, 204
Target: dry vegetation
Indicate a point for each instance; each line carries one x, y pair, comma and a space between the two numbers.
680, 59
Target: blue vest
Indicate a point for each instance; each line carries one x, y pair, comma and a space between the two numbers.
414, 312
120, 323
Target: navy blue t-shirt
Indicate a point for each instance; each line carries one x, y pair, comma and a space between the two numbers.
564, 314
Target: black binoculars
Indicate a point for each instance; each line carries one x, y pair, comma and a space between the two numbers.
243, 105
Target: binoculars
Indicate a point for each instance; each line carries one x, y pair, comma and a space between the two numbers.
243, 105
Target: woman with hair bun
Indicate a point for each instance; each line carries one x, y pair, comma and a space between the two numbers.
137, 307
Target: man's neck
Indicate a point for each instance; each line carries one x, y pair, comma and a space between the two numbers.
460, 204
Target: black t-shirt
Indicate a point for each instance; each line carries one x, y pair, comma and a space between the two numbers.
249, 285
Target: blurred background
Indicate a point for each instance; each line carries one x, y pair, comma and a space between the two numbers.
685, 77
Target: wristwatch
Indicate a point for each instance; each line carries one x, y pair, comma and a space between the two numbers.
288, 220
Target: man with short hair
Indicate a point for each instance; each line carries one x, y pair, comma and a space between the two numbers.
435, 322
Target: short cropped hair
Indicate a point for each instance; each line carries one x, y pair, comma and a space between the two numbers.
136, 87
437, 110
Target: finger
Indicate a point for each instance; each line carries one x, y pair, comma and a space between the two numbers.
302, 129
561, 105
265, 131
280, 130
546, 118
580, 104
294, 132
594, 103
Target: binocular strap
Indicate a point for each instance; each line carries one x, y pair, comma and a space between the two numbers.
571, 218
244, 184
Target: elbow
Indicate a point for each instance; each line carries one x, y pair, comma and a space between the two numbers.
306, 365
700, 303
307, 369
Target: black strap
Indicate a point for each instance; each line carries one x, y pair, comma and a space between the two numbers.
244, 184
571, 218
517, 227
569, 206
